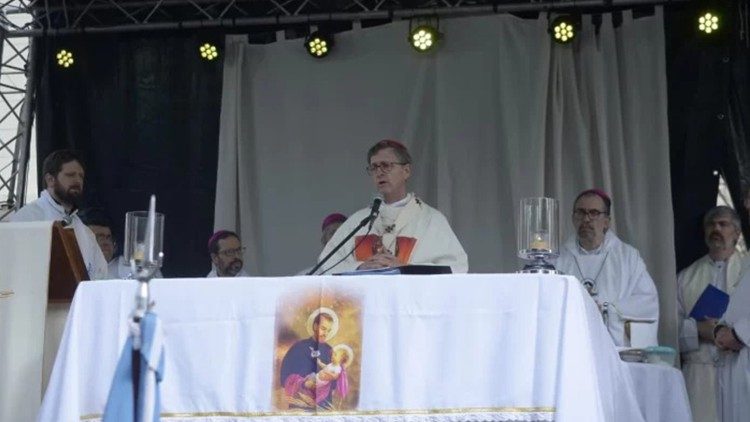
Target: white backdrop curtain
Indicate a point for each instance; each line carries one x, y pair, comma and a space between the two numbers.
497, 114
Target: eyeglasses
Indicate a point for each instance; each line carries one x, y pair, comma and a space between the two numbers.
386, 166
593, 214
229, 253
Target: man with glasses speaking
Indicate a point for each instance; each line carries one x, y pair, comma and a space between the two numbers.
610, 269
406, 231
226, 252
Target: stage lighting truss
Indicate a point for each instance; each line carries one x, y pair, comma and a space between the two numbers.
64, 58
564, 29
424, 36
319, 44
209, 52
709, 22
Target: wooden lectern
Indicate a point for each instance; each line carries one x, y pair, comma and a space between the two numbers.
66, 267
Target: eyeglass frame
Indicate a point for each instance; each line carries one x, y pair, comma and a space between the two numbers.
581, 213
383, 165
229, 253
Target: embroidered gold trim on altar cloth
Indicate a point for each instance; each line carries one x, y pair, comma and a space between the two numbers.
6, 293
325, 414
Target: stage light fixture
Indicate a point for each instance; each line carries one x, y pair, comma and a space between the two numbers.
209, 52
319, 44
709, 22
564, 29
424, 38
64, 58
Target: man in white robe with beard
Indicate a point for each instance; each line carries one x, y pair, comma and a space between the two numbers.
719, 268
64, 176
609, 268
407, 230
226, 252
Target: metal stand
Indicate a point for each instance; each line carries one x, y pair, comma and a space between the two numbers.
539, 264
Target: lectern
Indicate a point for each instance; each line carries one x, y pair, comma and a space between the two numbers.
66, 266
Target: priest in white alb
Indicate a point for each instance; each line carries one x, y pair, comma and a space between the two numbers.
407, 230
63, 175
731, 336
610, 269
719, 268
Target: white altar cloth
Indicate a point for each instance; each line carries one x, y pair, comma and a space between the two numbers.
438, 348
661, 392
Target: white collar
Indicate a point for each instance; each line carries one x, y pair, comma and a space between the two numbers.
401, 202
583, 251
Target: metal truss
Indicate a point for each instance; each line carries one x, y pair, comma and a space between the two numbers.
45, 18
60, 17
16, 99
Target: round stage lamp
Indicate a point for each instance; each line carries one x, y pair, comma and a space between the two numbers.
208, 51
563, 29
424, 38
319, 44
709, 22
64, 58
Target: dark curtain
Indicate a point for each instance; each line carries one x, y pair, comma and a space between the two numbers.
709, 94
143, 109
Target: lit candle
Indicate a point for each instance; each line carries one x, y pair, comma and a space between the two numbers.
151, 228
539, 241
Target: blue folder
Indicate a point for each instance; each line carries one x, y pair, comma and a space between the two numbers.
712, 303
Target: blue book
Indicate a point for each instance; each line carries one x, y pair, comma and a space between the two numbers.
712, 304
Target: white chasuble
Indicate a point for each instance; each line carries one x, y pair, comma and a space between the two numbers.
415, 233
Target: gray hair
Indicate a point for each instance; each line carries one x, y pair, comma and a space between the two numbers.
722, 211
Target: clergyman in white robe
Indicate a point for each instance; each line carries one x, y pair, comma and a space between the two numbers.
47, 209
409, 229
733, 377
620, 278
700, 359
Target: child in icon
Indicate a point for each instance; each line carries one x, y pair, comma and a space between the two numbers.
316, 386
340, 358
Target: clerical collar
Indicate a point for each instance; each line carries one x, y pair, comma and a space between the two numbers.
718, 263
401, 202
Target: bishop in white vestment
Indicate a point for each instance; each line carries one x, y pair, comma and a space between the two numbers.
407, 230
720, 268
63, 174
609, 268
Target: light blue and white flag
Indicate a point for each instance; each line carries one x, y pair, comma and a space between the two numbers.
120, 402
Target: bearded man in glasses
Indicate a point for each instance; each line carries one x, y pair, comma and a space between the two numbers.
407, 230
610, 269
226, 253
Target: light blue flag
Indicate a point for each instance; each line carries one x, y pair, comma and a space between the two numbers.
120, 406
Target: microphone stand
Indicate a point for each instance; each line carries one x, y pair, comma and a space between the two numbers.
361, 224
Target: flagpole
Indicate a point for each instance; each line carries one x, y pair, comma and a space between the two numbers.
143, 273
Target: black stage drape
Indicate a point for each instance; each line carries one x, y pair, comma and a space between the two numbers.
709, 113
143, 109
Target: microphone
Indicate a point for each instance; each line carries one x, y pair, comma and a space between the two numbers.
374, 212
